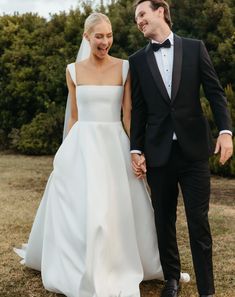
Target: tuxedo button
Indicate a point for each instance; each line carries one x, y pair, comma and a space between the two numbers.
172, 109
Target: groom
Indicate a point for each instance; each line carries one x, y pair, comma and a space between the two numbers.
169, 130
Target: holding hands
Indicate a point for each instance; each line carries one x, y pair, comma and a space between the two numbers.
138, 165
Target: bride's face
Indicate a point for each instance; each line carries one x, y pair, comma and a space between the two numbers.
101, 39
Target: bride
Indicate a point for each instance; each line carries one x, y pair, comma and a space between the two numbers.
94, 232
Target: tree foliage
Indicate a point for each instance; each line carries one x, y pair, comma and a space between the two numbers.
42, 136
34, 53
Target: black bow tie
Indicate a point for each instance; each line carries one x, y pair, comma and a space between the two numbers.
157, 46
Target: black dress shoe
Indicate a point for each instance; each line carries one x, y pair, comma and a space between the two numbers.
171, 288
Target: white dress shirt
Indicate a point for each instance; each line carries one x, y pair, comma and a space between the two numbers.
165, 59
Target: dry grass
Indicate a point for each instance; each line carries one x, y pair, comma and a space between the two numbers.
22, 180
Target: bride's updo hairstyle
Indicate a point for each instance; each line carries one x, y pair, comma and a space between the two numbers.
93, 19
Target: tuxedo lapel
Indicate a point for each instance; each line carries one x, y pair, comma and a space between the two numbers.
177, 66
156, 73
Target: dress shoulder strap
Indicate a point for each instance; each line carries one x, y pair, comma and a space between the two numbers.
125, 69
72, 71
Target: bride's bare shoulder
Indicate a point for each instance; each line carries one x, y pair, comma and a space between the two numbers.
116, 60
82, 63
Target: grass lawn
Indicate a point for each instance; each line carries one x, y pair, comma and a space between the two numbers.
22, 181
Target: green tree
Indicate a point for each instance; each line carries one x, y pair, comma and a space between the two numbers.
213, 22
127, 38
34, 53
21, 55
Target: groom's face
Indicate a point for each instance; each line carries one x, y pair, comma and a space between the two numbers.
147, 19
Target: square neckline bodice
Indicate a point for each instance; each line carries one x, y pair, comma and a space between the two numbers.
72, 70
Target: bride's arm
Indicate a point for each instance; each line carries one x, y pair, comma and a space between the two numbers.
126, 106
72, 94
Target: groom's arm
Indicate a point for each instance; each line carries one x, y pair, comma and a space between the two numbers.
138, 112
214, 91
218, 103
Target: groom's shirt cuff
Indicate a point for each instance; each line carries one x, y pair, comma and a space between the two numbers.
136, 152
226, 132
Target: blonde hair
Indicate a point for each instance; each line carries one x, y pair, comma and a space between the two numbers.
94, 19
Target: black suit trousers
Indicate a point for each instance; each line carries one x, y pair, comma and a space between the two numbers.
194, 180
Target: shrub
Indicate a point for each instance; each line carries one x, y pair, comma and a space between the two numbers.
42, 136
3, 140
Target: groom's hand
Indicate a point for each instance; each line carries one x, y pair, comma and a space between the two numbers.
138, 165
224, 145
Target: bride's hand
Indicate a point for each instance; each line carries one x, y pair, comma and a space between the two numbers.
138, 165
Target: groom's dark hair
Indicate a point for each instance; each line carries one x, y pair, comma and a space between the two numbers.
155, 4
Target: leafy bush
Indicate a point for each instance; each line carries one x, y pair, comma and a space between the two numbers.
3, 140
42, 136
34, 53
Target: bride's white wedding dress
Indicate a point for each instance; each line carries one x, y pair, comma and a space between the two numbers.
94, 233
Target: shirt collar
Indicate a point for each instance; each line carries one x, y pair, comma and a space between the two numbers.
170, 37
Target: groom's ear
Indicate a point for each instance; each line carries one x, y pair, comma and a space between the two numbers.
160, 11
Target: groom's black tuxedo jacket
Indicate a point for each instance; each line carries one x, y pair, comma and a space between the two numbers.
155, 116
